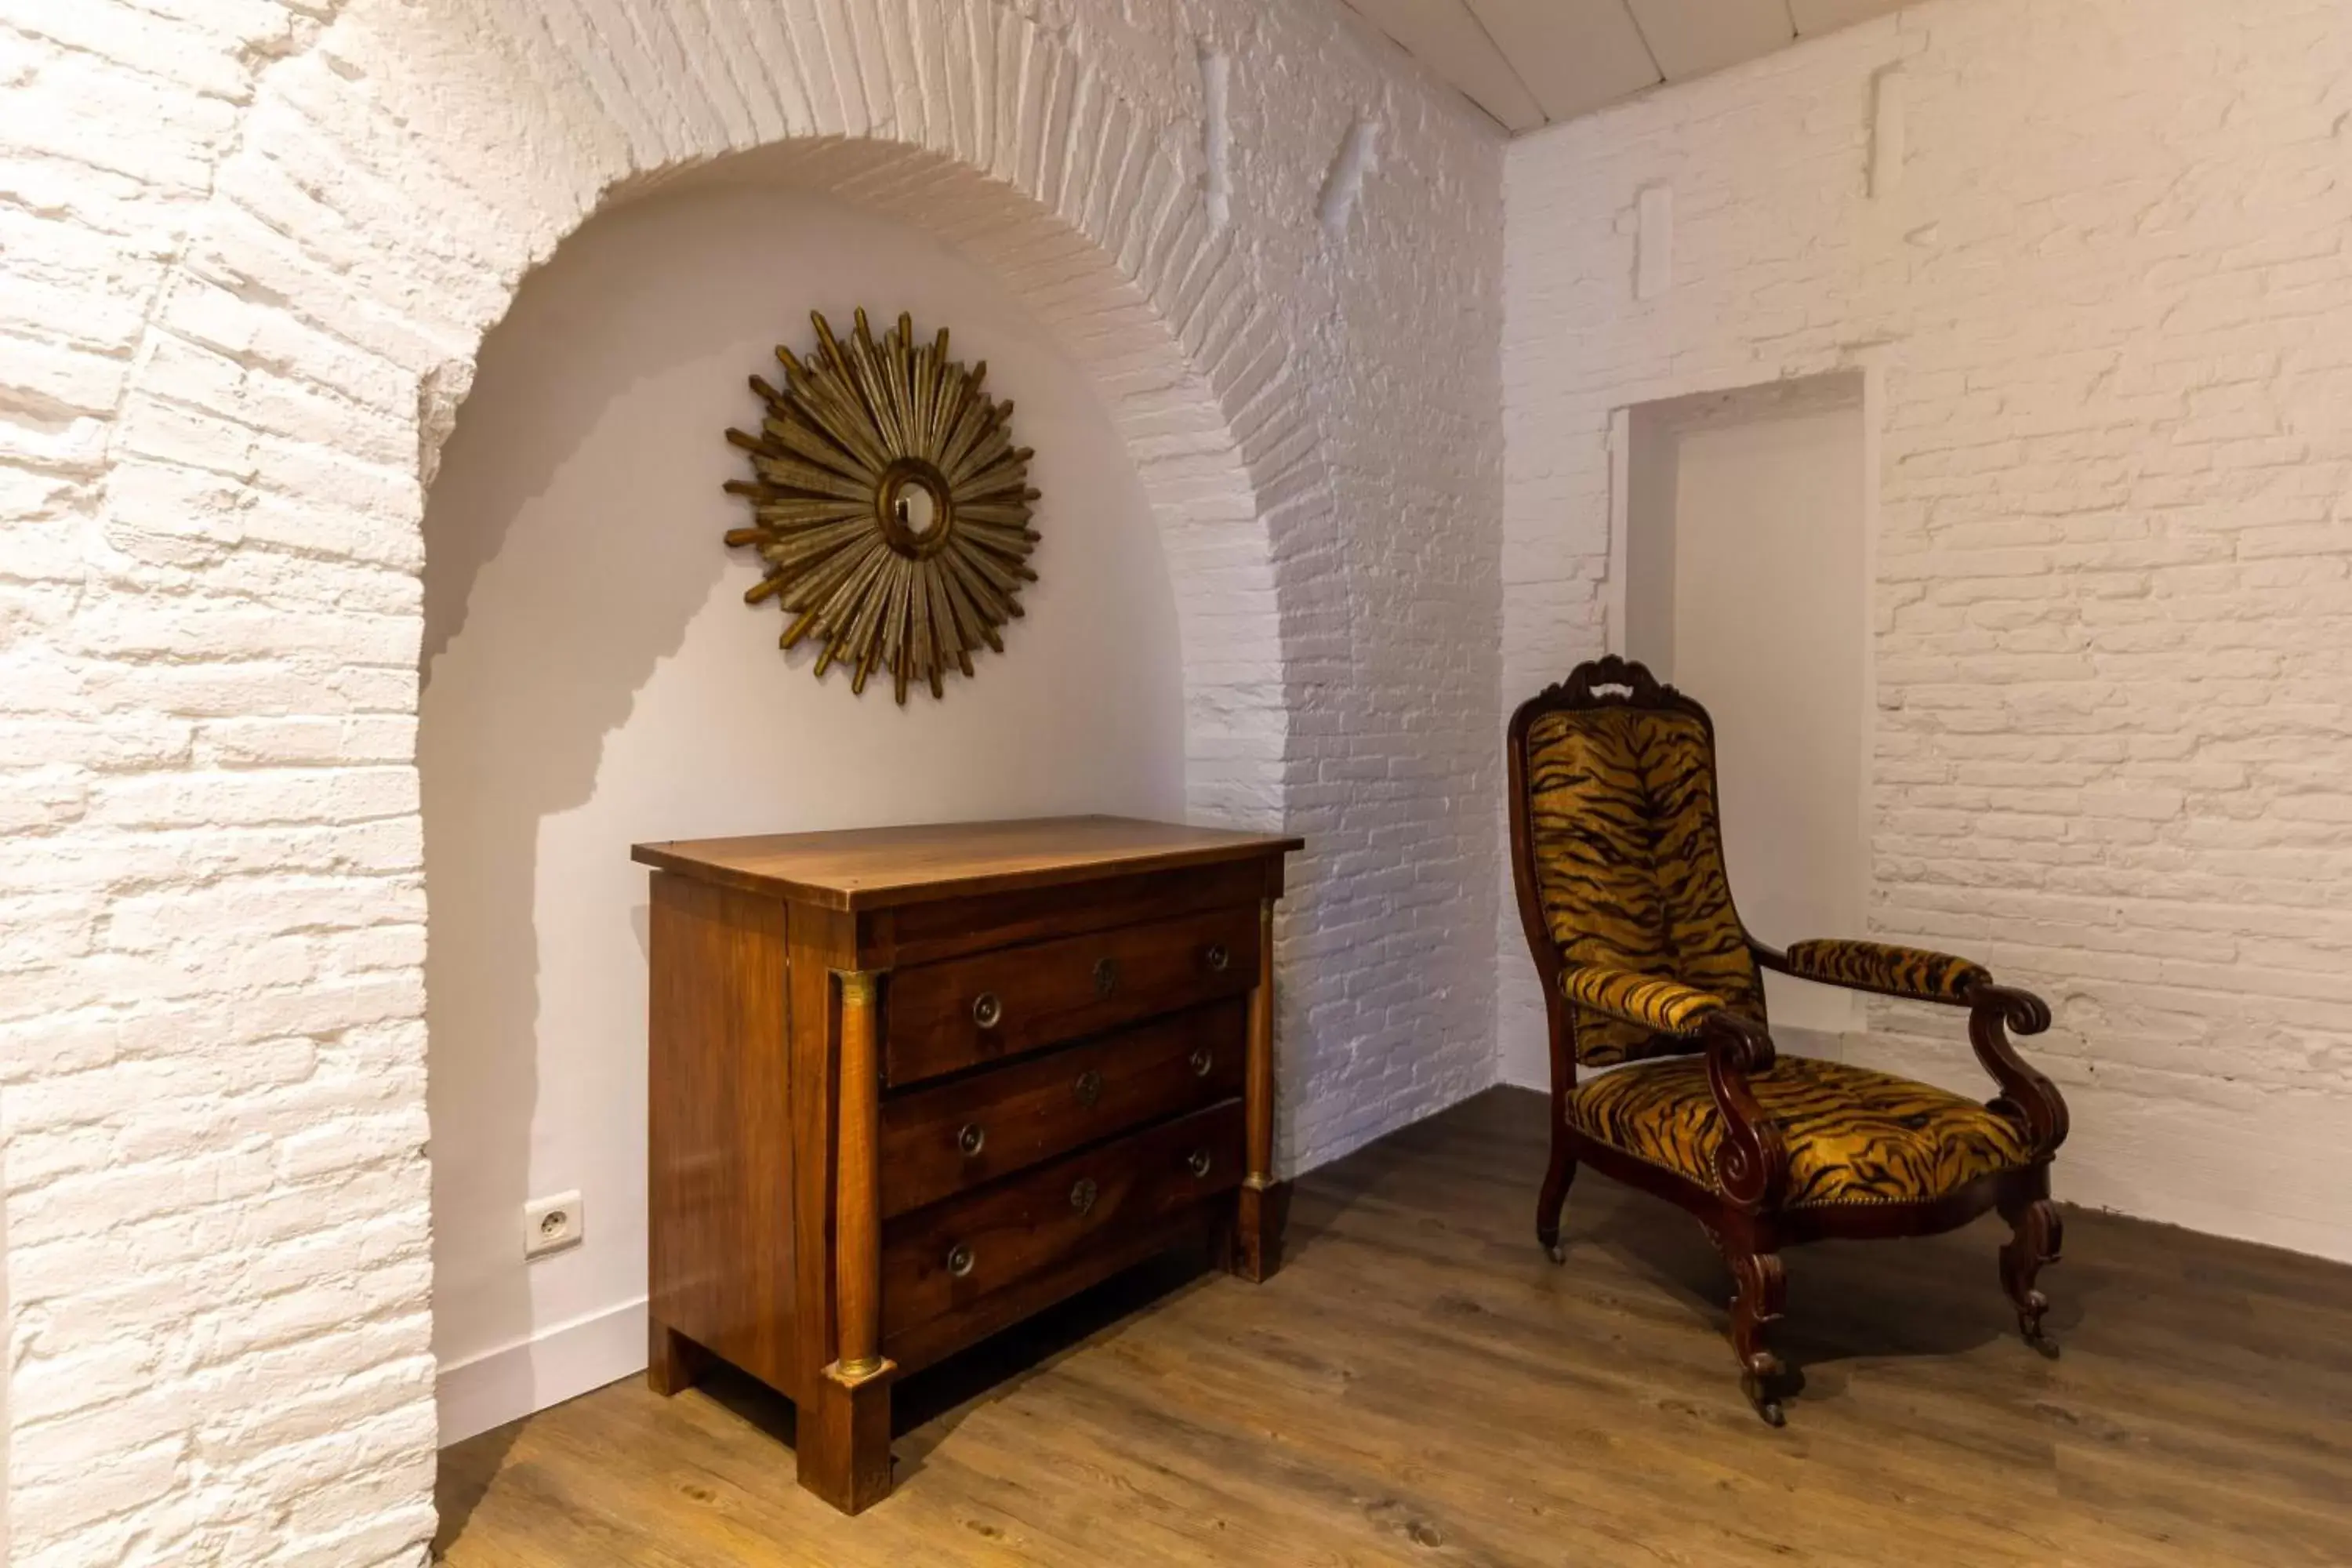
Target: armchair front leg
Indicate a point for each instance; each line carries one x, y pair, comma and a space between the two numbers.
2036, 1233
1751, 1167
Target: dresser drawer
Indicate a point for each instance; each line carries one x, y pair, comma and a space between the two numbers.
940, 1139
942, 1017
941, 1259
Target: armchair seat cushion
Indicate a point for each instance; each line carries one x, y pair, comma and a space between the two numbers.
1854, 1135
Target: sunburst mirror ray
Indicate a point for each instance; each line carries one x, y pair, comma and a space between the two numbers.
890, 509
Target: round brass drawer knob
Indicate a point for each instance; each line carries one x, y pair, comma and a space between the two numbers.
1106, 976
987, 1011
1219, 958
960, 1260
1202, 1062
1082, 1195
1089, 1089
1198, 1162
972, 1138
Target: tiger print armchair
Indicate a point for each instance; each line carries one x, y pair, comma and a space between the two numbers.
1617, 852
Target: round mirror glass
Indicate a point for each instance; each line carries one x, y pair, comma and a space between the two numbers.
918, 509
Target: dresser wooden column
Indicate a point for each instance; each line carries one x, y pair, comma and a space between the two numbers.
1263, 1204
843, 1438
909, 1085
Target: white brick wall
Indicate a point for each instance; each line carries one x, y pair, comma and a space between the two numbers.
2108, 291
250, 249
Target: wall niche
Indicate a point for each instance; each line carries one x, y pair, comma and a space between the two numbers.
592, 679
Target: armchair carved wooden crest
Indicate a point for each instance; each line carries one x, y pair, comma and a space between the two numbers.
1617, 852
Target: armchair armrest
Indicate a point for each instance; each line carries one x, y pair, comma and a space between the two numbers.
1751, 1164
1752, 1161
1891, 971
1648, 1000
1923, 976
2026, 1093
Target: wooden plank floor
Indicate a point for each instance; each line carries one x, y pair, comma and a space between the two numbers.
1421, 1386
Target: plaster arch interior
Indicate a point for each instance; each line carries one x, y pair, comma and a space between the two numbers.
589, 678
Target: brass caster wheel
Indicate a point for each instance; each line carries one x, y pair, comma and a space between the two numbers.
2029, 1324
1760, 1379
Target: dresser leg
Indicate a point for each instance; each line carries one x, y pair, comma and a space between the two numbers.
842, 1439
673, 1362
1260, 1213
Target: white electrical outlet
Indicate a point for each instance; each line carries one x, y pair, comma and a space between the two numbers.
550, 1225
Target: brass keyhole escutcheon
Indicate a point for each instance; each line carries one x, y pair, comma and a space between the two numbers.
1082, 1195
972, 1138
987, 1010
1198, 1162
1219, 958
1202, 1062
1106, 976
1088, 1086
960, 1260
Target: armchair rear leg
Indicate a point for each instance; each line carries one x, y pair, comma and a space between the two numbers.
1555, 1193
2035, 1236
1762, 1292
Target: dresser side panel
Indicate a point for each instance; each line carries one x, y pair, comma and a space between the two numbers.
723, 1255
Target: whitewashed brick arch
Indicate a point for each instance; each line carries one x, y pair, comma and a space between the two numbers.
254, 248
396, 182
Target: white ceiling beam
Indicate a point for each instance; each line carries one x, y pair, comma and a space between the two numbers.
1814, 17
1445, 37
1573, 55
1528, 63
1691, 38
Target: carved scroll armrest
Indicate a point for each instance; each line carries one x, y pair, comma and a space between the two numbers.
1667, 1007
1914, 973
2026, 1094
1751, 1164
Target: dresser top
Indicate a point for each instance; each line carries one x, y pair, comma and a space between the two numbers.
878, 867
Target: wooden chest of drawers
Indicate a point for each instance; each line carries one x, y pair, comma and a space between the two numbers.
909, 1086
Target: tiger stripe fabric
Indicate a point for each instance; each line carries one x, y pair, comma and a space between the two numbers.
1911, 971
1852, 1135
1663, 1006
1627, 846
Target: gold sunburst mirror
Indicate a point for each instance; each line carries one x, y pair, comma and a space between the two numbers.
889, 505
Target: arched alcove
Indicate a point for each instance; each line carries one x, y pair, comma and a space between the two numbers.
1077, 214
592, 678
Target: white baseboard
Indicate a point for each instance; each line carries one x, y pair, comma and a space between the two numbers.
552, 1366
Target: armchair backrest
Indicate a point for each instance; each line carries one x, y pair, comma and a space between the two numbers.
1617, 848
